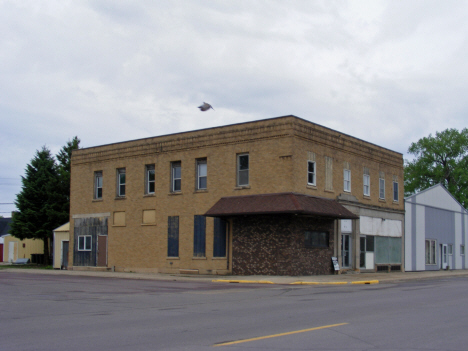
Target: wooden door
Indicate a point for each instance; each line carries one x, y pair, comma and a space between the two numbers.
102, 251
65, 245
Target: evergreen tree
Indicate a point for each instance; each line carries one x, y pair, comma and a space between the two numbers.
39, 207
64, 168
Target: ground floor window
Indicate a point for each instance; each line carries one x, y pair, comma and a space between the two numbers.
462, 249
199, 236
173, 236
316, 239
84, 243
220, 238
430, 252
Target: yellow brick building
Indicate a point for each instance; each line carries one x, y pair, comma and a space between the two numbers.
275, 196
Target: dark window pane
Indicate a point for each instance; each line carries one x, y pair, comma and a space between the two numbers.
370, 243
177, 185
173, 236
199, 236
311, 167
219, 244
88, 243
243, 162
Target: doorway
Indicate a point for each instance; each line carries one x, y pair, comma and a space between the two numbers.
345, 250
65, 245
102, 251
443, 256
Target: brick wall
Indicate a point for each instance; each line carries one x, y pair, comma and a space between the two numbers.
274, 245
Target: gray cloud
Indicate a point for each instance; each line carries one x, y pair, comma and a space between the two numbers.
385, 71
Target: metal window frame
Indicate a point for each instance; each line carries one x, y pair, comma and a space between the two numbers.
120, 184
97, 176
149, 168
199, 162
174, 165
313, 173
243, 170
347, 182
366, 176
381, 188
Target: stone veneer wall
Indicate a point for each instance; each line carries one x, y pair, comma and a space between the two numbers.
274, 245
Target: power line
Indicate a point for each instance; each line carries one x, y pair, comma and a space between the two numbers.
7, 203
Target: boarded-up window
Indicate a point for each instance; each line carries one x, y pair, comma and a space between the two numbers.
119, 219
219, 240
199, 236
328, 173
387, 250
316, 239
149, 216
173, 236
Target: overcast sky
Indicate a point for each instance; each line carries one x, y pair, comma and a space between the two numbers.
388, 72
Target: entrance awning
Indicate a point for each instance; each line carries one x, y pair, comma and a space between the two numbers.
280, 203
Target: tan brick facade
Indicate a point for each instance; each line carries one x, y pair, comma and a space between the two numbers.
278, 150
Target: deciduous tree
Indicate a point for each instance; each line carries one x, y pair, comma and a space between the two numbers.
443, 159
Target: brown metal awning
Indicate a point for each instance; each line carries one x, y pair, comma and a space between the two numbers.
281, 203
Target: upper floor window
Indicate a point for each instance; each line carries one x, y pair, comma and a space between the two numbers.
347, 180
98, 185
311, 172
395, 191
366, 182
176, 176
381, 187
150, 179
201, 174
121, 182
243, 169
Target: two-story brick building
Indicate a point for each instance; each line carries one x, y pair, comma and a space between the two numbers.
275, 196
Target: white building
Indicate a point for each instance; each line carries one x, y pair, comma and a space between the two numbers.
436, 231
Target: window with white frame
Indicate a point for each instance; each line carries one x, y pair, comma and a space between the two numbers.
366, 183
243, 170
430, 252
150, 179
462, 250
98, 185
381, 188
202, 169
347, 180
121, 182
311, 172
176, 176
84, 243
450, 249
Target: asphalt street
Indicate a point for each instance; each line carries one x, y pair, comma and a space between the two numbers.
74, 312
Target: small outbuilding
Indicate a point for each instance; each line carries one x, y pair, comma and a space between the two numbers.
436, 227
14, 248
61, 241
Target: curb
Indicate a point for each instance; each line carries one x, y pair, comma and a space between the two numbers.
366, 282
242, 281
295, 283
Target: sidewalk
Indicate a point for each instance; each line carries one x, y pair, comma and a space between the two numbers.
360, 278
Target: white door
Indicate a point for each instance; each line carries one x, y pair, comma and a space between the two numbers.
444, 256
12, 255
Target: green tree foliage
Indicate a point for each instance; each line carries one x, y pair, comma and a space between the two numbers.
44, 201
443, 159
64, 168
